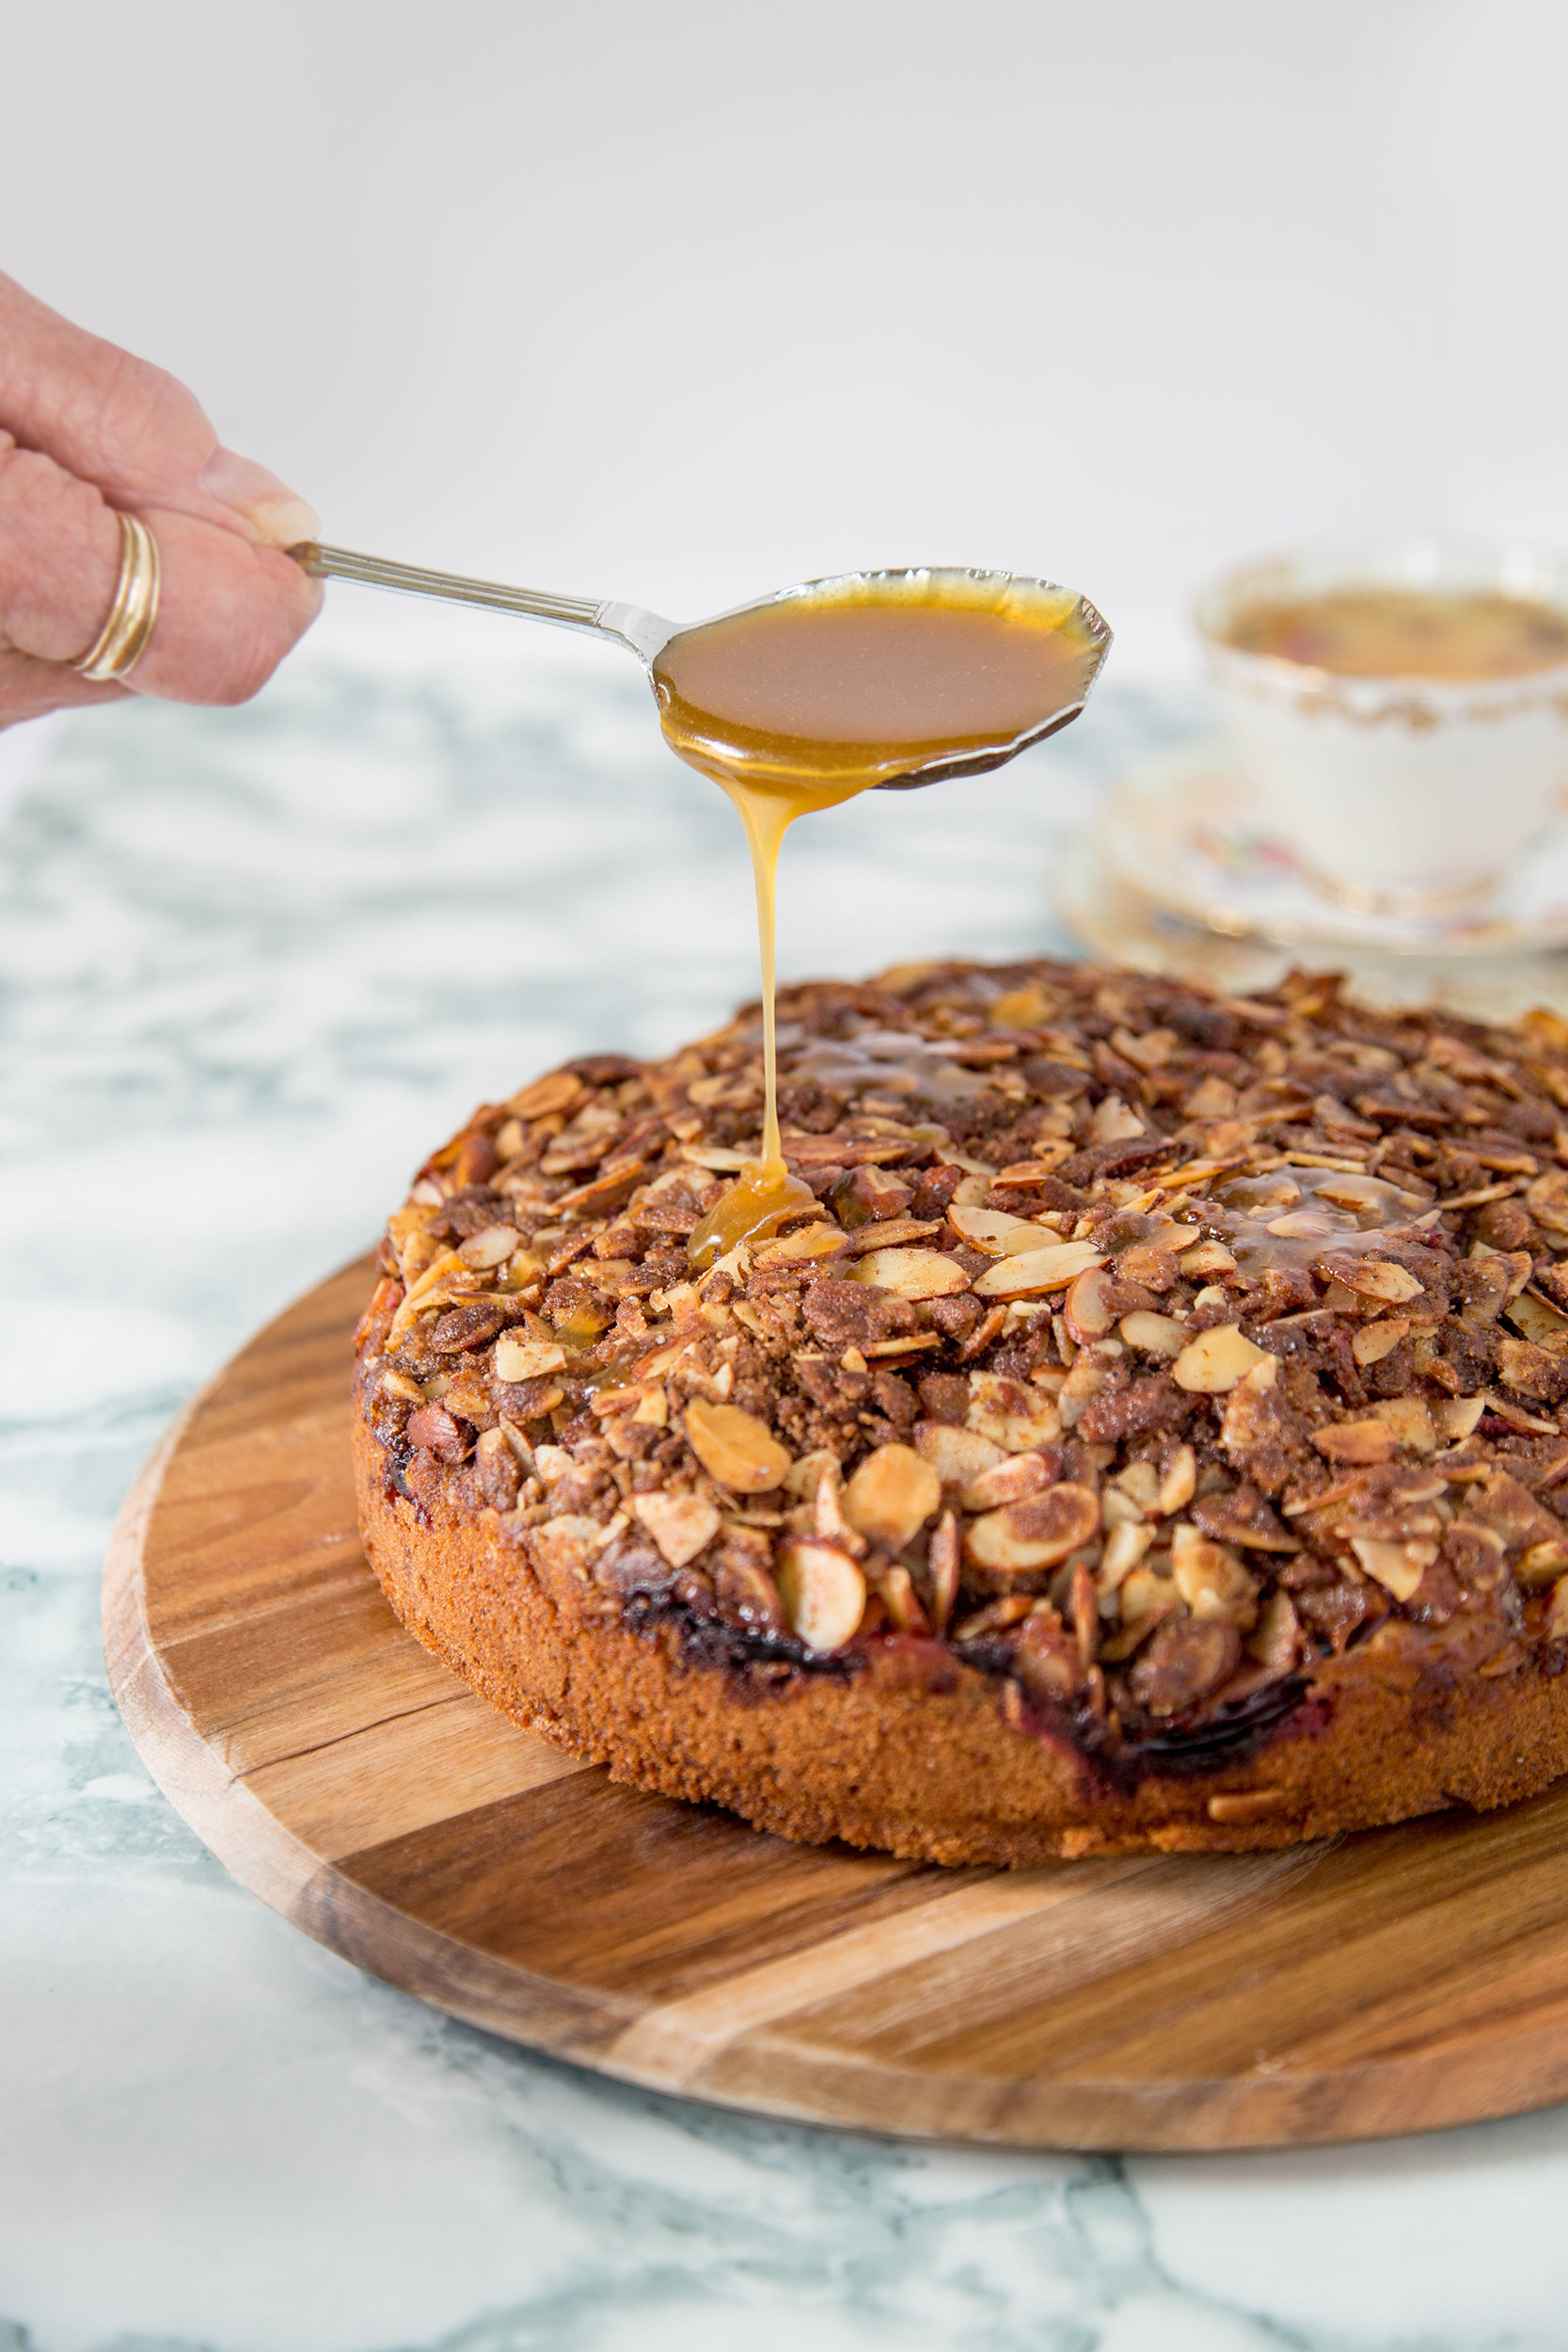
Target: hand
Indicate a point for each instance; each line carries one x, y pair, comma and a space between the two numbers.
86, 429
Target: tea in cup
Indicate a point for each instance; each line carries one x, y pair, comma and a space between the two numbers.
1399, 709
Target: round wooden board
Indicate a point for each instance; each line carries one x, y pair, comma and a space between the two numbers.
1387, 1982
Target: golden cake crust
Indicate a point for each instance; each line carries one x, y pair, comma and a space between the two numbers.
1224, 1530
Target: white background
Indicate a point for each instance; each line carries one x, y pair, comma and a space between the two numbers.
678, 302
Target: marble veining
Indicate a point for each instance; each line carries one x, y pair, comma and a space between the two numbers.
250, 963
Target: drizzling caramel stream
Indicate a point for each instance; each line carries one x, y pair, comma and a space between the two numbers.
808, 701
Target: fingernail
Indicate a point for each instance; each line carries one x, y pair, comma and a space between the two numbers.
268, 505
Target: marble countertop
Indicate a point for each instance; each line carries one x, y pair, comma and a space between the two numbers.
251, 963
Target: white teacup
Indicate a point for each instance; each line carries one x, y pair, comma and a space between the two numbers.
1393, 792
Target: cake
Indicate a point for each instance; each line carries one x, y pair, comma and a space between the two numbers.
1149, 1436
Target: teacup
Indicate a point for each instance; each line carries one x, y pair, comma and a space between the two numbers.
1397, 787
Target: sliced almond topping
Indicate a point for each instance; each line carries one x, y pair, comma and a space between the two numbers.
911, 1273
1209, 1257
682, 1525
1542, 1562
892, 1495
1360, 1441
1378, 1279
1013, 1414
491, 1248
1086, 1309
527, 1360
1113, 1122
1456, 1416
1152, 1334
1556, 1627
1035, 1270
813, 1241
994, 1231
956, 1455
734, 1448
823, 1593
1410, 1421
1276, 1640
1399, 1567
1376, 1340
560, 1091
1125, 1547
1009, 1481
1212, 1364
942, 1562
1038, 1534
1211, 1579
1540, 1321
1179, 1483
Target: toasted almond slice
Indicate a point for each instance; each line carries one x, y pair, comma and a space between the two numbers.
1209, 1257
1086, 1307
1212, 1364
491, 1248
994, 1229
1376, 1340
1007, 1481
1113, 1122
1358, 1442
911, 1273
1125, 1547
823, 1593
1556, 1627
817, 1240
1037, 1534
1454, 1416
734, 1448
1542, 1562
527, 1360
1211, 1579
1014, 1414
1152, 1334
560, 1091
1540, 1321
1179, 1483
1399, 1567
1036, 1270
958, 1456
682, 1525
1377, 1278
1410, 1421
892, 1495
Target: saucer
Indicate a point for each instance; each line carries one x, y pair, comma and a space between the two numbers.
1181, 830
1119, 924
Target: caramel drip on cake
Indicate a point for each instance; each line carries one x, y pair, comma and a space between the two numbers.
800, 705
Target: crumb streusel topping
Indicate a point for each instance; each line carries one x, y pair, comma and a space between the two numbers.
1141, 1348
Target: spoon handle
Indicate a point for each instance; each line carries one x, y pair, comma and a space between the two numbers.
628, 625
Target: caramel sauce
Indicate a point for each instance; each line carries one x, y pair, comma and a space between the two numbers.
1408, 632
1290, 1217
807, 701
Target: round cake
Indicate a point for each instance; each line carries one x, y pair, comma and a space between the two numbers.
1149, 1434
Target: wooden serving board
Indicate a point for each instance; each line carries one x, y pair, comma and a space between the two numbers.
1387, 1982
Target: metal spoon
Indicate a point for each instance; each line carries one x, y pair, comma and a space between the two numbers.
646, 634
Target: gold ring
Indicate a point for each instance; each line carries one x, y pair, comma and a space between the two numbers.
122, 640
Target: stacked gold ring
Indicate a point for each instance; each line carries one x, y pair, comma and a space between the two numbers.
122, 640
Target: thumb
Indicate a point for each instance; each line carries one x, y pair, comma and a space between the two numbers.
269, 511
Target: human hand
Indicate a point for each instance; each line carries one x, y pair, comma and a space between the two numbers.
86, 430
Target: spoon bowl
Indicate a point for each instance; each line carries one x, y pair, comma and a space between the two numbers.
775, 718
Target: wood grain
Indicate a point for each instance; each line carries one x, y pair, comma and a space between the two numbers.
1405, 1979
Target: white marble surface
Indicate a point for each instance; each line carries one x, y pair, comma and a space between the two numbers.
250, 964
